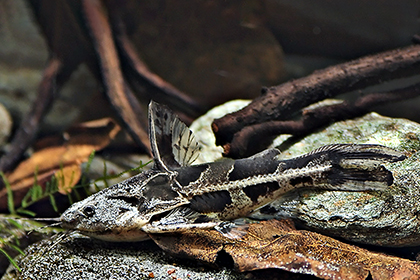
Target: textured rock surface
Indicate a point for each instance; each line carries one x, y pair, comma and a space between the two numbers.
80, 257
204, 134
14, 231
387, 218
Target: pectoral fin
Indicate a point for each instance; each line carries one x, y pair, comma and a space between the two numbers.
180, 219
233, 230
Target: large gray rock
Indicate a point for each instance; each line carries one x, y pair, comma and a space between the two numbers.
386, 218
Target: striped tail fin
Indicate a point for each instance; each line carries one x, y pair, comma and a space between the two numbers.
352, 167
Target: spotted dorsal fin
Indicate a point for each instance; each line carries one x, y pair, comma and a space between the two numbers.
173, 143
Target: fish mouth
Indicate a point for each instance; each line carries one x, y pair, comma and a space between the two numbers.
69, 223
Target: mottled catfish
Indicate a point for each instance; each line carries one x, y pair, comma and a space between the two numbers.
176, 196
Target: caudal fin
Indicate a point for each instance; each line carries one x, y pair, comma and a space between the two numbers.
354, 167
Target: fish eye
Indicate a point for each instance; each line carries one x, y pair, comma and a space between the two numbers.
89, 211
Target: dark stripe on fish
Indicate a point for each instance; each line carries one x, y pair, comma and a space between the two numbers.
255, 191
245, 168
190, 174
211, 202
302, 181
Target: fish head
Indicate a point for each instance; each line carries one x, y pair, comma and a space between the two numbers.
123, 211
119, 212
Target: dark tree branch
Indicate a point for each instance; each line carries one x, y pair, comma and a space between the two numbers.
283, 101
254, 138
122, 99
280, 102
63, 62
143, 81
52, 80
66, 25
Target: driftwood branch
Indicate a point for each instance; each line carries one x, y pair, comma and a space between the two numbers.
142, 80
53, 78
85, 33
119, 94
254, 138
279, 104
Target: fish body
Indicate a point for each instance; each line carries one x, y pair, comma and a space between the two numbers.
176, 195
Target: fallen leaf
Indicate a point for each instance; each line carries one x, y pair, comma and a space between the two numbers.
62, 161
277, 244
67, 177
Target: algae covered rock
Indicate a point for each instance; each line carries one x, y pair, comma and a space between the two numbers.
17, 233
386, 218
80, 257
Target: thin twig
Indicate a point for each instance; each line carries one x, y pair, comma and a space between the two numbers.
61, 65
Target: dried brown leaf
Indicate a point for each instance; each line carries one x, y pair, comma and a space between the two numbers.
67, 177
62, 161
277, 244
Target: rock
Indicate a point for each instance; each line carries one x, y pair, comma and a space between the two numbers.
385, 218
341, 28
19, 233
204, 134
5, 125
80, 257
213, 51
